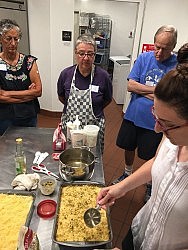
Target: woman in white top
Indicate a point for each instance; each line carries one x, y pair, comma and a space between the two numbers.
162, 224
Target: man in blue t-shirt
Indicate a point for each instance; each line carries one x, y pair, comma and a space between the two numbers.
137, 129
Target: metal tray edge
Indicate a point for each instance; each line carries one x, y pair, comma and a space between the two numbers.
81, 243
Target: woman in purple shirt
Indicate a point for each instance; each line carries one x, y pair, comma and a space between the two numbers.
85, 89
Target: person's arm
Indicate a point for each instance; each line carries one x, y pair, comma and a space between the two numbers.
137, 76
108, 195
19, 96
62, 99
35, 79
150, 96
63, 77
107, 92
138, 88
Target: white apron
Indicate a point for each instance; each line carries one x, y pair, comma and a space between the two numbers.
80, 103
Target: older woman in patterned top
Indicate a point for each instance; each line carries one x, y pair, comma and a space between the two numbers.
20, 82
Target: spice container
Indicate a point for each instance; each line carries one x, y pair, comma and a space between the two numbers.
70, 126
76, 123
91, 133
47, 185
77, 138
20, 158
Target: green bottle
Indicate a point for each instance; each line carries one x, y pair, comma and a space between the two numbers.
20, 159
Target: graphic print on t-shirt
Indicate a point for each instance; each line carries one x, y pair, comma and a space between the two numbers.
153, 76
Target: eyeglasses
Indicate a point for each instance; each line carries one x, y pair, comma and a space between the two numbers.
83, 54
164, 128
9, 39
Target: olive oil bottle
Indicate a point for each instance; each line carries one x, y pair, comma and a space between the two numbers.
20, 158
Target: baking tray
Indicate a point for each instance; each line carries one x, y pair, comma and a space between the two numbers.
24, 193
80, 244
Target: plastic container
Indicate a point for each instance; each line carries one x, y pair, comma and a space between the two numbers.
77, 138
76, 123
47, 185
70, 126
91, 133
46, 209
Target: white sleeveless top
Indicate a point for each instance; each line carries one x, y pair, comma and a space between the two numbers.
162, 224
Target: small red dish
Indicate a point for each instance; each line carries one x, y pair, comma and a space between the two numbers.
46, 209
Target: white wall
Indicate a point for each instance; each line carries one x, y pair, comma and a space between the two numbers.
40, 45
162, 12
158, 13
47, 19
62, 18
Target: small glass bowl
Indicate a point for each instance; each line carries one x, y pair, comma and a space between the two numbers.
47, 185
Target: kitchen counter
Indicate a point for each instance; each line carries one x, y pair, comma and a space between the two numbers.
37, 139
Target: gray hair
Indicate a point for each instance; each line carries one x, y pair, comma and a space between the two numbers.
8, 24
86, 38
168, 28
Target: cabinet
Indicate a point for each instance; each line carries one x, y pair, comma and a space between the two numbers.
121, 68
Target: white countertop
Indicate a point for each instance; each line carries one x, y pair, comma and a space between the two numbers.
118, 58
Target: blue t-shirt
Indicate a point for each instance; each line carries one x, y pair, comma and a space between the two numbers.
148, 71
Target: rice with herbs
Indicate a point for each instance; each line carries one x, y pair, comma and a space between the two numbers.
75, 200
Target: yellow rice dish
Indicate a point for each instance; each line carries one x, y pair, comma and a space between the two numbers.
13, 214
75, 200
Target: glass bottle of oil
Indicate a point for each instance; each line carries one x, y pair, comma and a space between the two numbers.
20, 158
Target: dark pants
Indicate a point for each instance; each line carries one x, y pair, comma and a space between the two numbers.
131, 137
127, 243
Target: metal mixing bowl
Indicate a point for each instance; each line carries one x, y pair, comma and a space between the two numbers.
76, 164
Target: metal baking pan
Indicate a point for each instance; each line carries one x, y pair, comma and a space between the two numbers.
24, 193
79, 244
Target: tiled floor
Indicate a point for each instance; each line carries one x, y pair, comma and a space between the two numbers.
125, 208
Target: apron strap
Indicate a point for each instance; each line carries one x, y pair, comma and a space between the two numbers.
92, 76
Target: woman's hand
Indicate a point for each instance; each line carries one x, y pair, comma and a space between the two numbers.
108, 195
32, 86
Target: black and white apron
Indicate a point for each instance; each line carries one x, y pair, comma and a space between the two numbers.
80, 103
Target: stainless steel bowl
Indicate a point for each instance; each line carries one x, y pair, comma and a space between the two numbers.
76, 164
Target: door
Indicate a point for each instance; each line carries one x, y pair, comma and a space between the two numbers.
76, 30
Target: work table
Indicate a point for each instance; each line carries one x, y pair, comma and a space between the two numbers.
37, 139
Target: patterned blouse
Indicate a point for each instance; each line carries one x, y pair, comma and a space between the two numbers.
17, 78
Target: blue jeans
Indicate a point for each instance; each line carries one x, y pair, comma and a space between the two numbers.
27, 122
